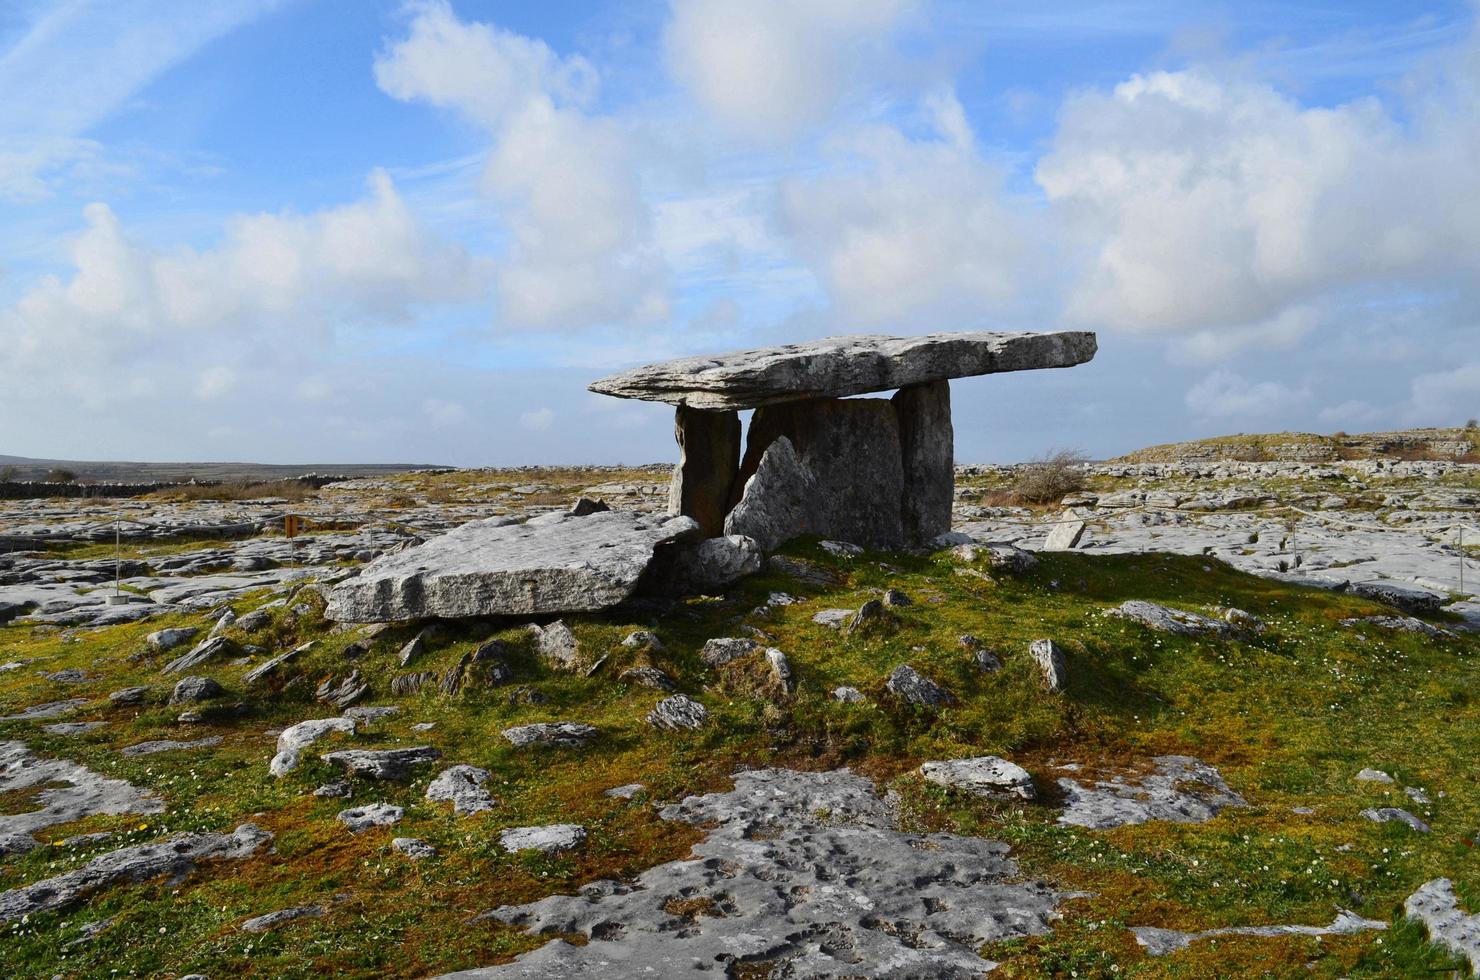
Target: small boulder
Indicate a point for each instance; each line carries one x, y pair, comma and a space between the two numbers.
162, 641
566, 733
678, 713
986, 776
129, 697
1050, 659
270, 921
847, 695
721, 650
386, 764
548, 839
414, 847
191, 690
462, 786
646, 676
557, 645
912, 687
1392, 814
362, 818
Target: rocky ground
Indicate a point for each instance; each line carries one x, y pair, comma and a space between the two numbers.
1208, 717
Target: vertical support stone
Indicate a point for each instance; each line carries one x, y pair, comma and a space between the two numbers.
708, 461
926, 441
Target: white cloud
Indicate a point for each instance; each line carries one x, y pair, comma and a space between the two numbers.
564, 181
214, 382
443, 413
78, 62
274, 274
912, 228
537, 420
771, 68
1446, 397
1282, 331
1224, 394
1207, 201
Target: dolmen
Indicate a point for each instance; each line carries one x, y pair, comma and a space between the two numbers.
877, 472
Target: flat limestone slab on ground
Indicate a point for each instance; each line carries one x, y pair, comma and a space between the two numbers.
841, 366
550, 564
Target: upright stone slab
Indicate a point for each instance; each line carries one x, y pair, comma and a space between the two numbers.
708, 461
926, 442
850, 450
775, 500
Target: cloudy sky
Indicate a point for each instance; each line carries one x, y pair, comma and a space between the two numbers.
352, 230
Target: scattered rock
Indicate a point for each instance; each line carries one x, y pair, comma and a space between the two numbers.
1436, 905
1010, 559
1402, 624
386, 764
72, 727
910, 686
254, 621
169, 745
625, 791
1066, 532
211, 648
334, 791
567, 733
1181, 789
174, 857
585, 505
192, 690
847, 695
987, 776
362, 818
870, 613
833, 618
1392, 814
1165, 620
1408, 600
414, 847
721, 650
643, 639
404, 685
462, 786
678, 713
648, 677
1051, 661
270, 668
85, 793
270, 921
72, 675
894, 597
702, 567
129, 697
341, 693
163, 641
295, 738
1374, 776
548, 839
557, 645
1160, 942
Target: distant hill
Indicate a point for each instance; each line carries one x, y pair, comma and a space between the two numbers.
92, 471
1451, 444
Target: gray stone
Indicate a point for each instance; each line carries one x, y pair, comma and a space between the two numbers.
927, 447
1406, 599
254, 621
646, 676
169, 745
341, 790
850, 450
403, 685
624, 792
85, 793
191, 690
163, 641
896, 598
129, 697
841, 366
341, 693
1402, 624
723, 649
270, 668
1065, 533
986, 776
847, 695
1010, 559
1436, 905
548, 839
910, 686
871, 611
780, 667
462, 786
361, 818
773, 505
698, 567
679, 713
1051, 662
552, 563
841, 549
414, 847
72, 727
800, 875
709, 459
833, 618
295, 738
387, 764
1160, 942
17, 844
638, 639
1392, 814
211, 648
176, 857
72, 675
1373, 776
568, 733
1180, 789
270, 921
1167, 620
586, 505
557, 645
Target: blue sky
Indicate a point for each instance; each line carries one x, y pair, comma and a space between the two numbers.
340, 230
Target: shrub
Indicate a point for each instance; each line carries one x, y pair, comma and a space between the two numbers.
9, 474
59, 475
1472, 424
1047, 480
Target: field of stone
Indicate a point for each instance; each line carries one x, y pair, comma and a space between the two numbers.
1198, 717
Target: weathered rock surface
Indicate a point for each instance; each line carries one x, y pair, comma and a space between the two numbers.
295, 738
1437, 907
1160, 942
569, 733
270, 921
801, 875
1158, 795
695, 567
648, 676
1407, 599
1051, 662
679, 713
709, 458
549, 839
211, 648
775, 499
169, 745
1392, 814
52, 709
723, 649
912, 687
986, 776
176, 856
462, 786
1065, 533
387, 764
927, 448
557, 645
549, 564
162, 641
85, 794
841, 366
414, 848
361, 818
191, 690
1166, 620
